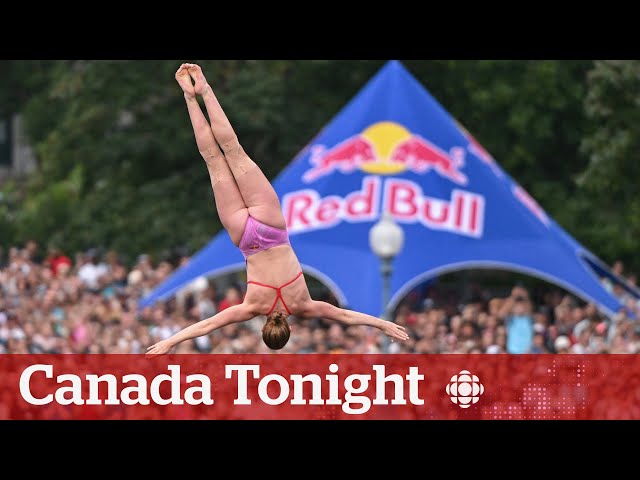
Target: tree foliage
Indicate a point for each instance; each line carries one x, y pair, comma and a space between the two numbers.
610, 199
119, 167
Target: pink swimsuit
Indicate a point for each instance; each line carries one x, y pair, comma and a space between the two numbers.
258, 237
278, 292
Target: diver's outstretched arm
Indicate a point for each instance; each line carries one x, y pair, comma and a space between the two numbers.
317, 309
237, 313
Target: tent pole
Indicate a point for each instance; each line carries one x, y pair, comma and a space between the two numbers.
386, 269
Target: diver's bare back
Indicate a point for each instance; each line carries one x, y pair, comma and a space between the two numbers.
276, 266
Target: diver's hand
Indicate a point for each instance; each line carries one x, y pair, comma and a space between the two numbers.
160, 348
395, 331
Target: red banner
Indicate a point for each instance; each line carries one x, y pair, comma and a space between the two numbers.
320, 387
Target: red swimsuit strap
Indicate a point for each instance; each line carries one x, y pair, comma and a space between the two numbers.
278, 292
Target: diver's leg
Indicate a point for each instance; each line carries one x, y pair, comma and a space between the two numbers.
231, 207
256, 190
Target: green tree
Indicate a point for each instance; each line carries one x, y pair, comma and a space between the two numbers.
611, 201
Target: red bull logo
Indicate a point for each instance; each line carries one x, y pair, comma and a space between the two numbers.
387, 148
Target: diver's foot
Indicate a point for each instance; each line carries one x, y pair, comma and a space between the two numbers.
201, 86
184, 80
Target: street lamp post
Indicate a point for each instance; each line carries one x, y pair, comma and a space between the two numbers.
386, 239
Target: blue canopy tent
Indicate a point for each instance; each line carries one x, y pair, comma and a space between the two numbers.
393, 148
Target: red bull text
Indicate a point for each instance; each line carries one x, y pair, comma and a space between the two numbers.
463, 213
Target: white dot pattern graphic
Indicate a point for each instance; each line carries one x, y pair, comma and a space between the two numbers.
538, 402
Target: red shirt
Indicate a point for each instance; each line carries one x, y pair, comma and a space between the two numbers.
55, 262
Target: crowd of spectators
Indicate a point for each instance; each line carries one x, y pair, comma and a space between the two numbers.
53, 302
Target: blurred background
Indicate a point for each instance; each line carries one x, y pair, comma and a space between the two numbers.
103, 195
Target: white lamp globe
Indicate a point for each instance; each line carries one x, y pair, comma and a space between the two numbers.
386, 237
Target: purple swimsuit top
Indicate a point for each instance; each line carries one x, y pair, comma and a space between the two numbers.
258, 237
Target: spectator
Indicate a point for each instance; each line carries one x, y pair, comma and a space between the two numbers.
562, 344
64, 306
32, 251
519, 323
618, 268
56, 259
92, 271
583, 345
231, 297
538, 345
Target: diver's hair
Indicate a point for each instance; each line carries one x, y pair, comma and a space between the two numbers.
276, 331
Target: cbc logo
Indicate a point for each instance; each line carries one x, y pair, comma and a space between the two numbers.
464, 389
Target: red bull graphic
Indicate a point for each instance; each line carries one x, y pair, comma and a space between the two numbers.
463, 213
387, 148
529, 202
346, 157
419, 155
479, 151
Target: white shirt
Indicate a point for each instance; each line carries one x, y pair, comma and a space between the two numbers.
90, 274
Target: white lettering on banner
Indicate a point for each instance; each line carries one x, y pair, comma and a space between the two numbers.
355, 392
304, 210
355, 402
464, 214
76, 392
